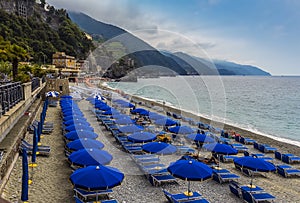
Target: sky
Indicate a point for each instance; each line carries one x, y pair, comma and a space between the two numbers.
264, 33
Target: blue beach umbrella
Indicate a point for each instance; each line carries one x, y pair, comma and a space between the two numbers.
138, 110
220, 148
165, 122
160, 148
190, 170
124, 121
201, 138
52, 94
141, 137
76, 122
181, 130
66, 97
131, 129
120, 116
156, 116
88, 157
254, 164
25, 177
84, 143
93, 178
78, 128
74, 117
74, 135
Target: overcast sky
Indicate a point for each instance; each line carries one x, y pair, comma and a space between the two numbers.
265, 33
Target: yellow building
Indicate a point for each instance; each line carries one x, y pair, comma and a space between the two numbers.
61, 60
66, 65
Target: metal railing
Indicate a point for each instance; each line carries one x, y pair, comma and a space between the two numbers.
35, 83
10, 94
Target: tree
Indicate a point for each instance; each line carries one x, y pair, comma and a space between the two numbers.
16, 54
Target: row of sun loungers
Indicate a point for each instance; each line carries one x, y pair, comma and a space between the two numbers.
265, 148
250, 193
41, 150
287, 158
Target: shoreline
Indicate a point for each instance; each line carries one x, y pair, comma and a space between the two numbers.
291, 146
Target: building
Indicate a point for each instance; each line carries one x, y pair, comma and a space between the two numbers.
66, 65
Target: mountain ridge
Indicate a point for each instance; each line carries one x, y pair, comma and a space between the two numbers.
147, 56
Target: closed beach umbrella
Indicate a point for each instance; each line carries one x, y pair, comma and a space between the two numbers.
181, 130
190, 170
74, 135
93, 178
25, 177
165, 122
131, 129
84, 143
78, 128
88, 157
160, 148
141, 137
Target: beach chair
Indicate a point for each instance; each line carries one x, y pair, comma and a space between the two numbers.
290, 158
181, 197
239, 147
287, 171
157, 179
28, 146
266, 148
246, 141
89, 196
224, 175
146, 169
227, 158
77, 200
40, 152
262, 196
145, 162
184, 149
235, 188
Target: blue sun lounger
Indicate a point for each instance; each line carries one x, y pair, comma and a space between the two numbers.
159, 179
181, 197
224, 175
227, 158
250, 194
87, 196
290, 158
77, 200
262, 196
287, 171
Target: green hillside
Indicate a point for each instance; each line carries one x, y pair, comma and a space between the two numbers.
44, 33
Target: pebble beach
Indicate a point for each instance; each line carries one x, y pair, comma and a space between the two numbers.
51, 176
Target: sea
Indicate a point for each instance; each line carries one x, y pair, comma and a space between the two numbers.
266, 105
